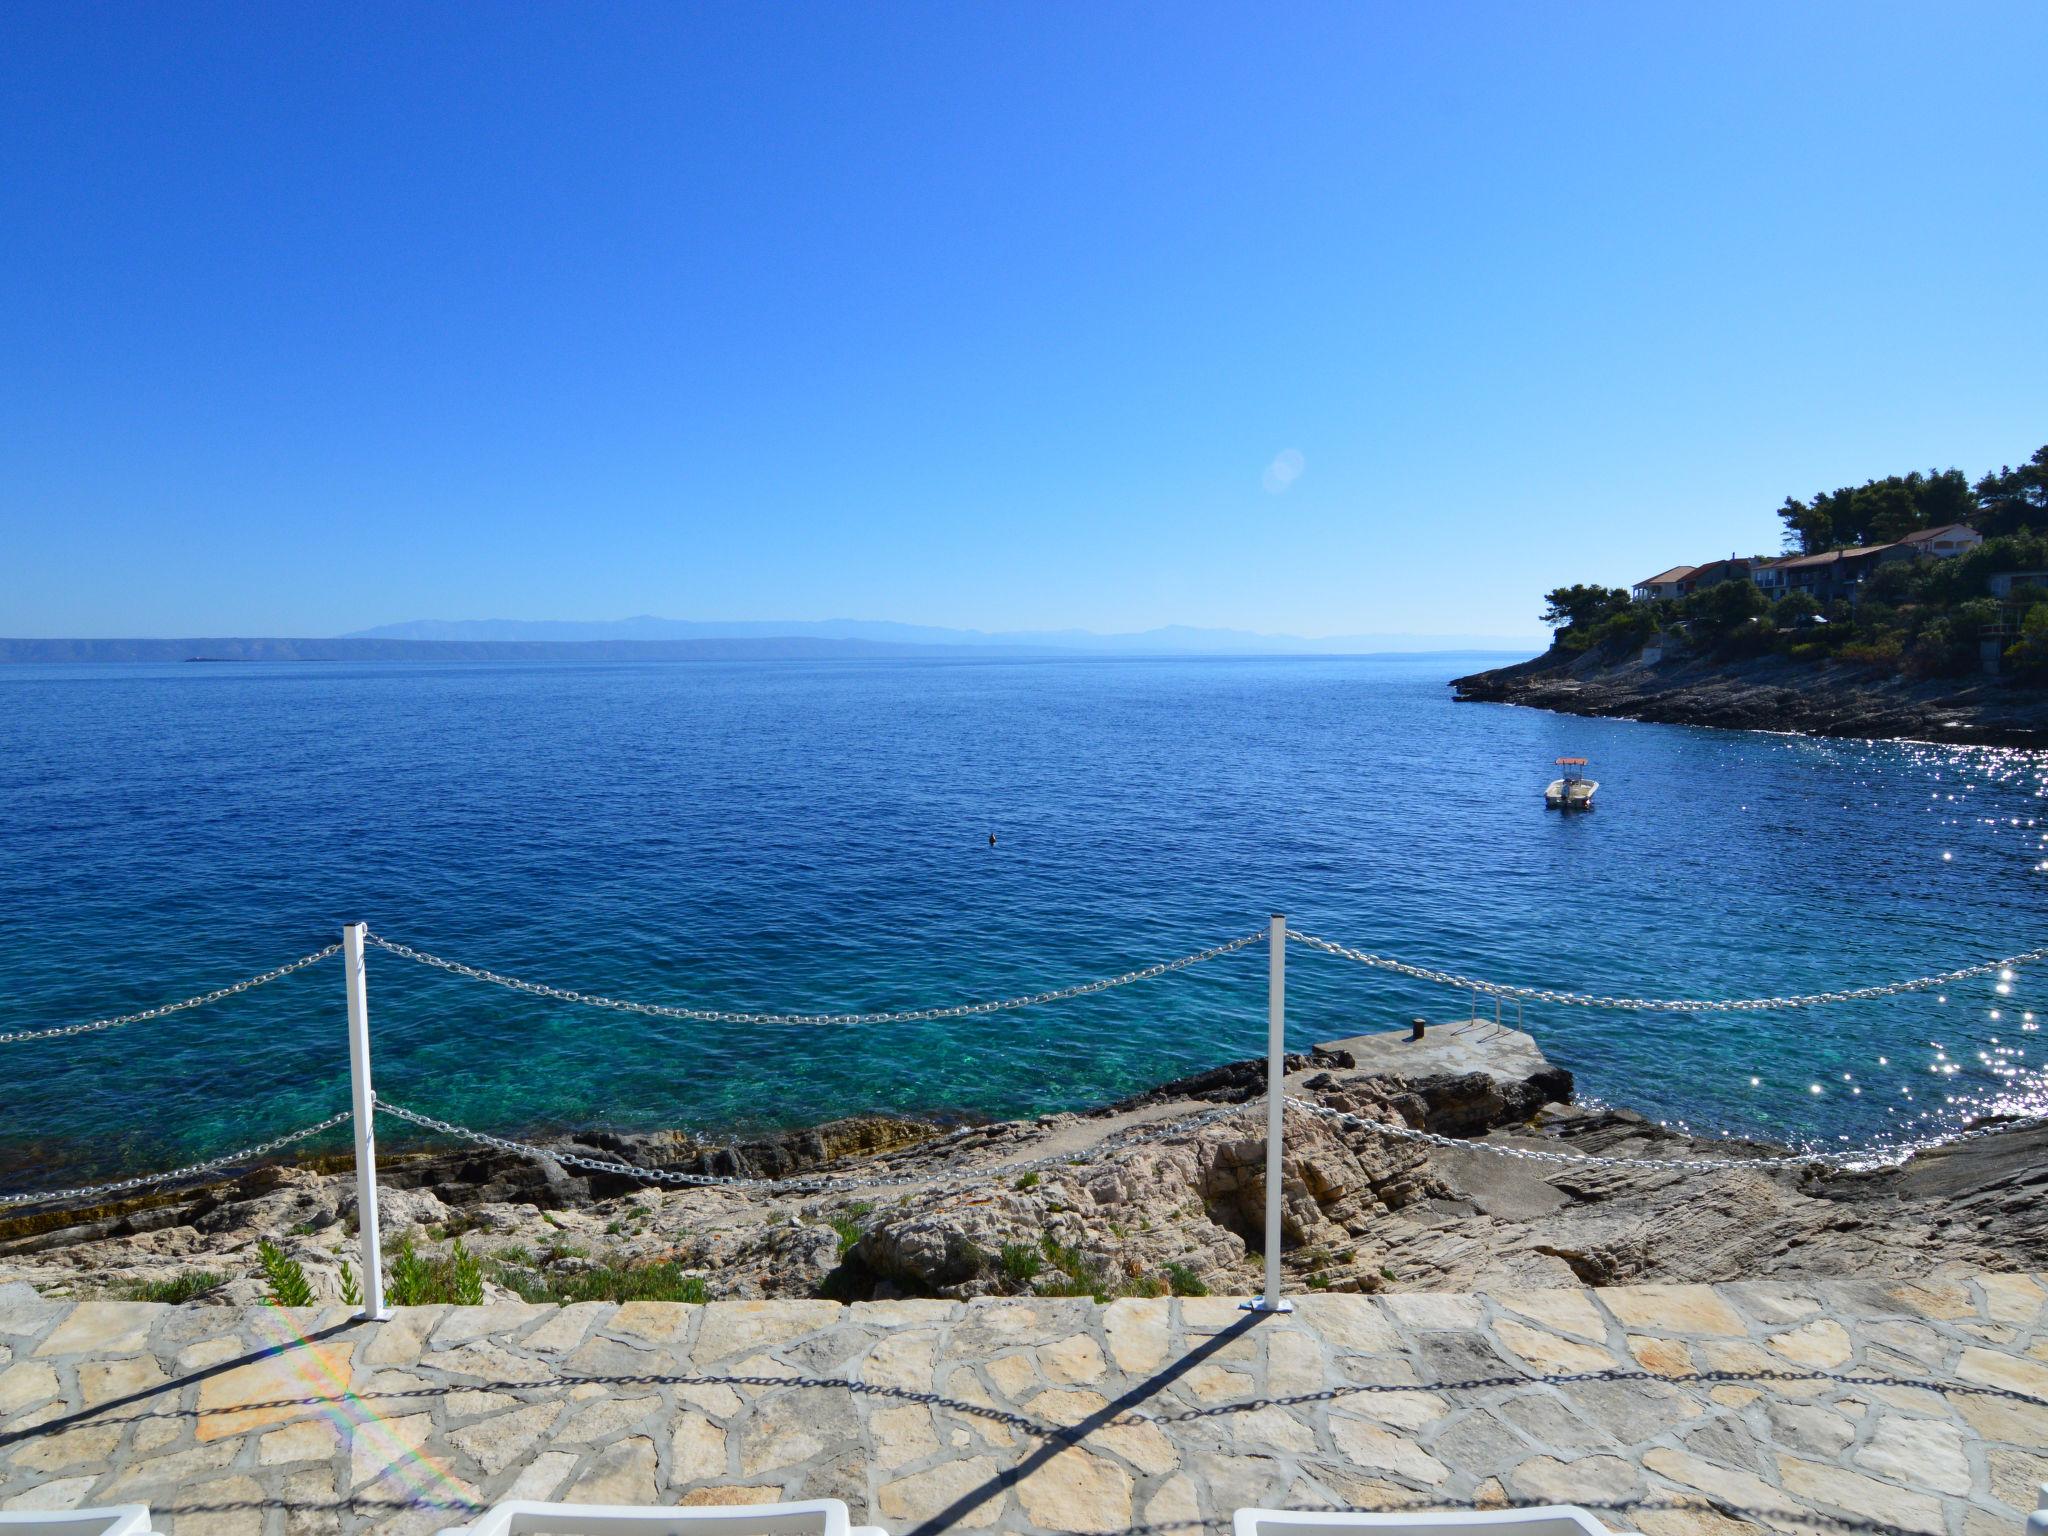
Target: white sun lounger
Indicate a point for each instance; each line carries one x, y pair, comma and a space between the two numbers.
107, 1520
1545, 1520
2037, 1523
524, 1517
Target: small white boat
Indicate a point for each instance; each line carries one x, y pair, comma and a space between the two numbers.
1573, 791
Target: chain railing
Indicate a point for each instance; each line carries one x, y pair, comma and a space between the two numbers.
218, 994
190, 1170
733, 1016
952, 1171
1666, 1004
948, 1160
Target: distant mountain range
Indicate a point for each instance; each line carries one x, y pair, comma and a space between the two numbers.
649, 639
1173, 640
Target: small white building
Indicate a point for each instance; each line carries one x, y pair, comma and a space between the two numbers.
1941, 543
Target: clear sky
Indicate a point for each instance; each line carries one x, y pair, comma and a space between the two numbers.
1309, 318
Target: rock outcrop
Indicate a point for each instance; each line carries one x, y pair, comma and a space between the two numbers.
1162, 1191
1770, 693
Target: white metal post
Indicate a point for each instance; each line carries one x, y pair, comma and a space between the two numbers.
366, 1122
1276, 1092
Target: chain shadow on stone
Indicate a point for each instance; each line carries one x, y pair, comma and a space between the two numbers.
1110, 1416
177, 1384
1850, 1525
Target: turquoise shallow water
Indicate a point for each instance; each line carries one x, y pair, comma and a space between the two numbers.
798, 835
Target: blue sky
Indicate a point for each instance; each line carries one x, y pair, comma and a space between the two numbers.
999, 316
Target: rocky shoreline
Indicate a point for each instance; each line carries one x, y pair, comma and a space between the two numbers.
1160, 1192
1770, 693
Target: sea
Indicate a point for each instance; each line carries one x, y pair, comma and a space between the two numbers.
893, 834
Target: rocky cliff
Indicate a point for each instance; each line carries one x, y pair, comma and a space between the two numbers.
1770, 693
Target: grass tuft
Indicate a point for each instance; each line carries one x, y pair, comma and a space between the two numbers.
1184, 1281
1020, 1262
190, 1286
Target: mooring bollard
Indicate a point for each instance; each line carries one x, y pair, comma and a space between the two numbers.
1276, 1098
366, 1121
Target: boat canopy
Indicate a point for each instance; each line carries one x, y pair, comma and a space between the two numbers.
1571, 762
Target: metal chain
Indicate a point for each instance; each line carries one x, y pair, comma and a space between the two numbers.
729, 1016
1664, 1004
211, 1165
1865, 1158
191, 1002
822, 1184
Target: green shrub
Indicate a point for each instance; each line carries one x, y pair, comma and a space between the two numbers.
465, 1277
1027, 1181
1078, 1274
611, 1282
1184, 1281
1020, 1262
849, 1232
189, 1286
416, 1281
411, 1282
1075, 1285
2029, 655
288, 1285
638, 1282
1880, 650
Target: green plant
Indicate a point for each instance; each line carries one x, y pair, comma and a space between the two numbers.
189, 1286
1184, 1281
1021, 1262
288, 1285
465, 1277
1074, 1285
418, 1281
1078, 1274
1027, 1181
1319, 1282
412, 1277
523, 1283
849, 1232
351, 1293
640, 1282
604, 1282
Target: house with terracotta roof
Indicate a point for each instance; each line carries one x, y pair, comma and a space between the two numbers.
1665, 584
1835, 573
1943, 542
1714, 572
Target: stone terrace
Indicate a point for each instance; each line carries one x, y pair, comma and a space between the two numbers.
1674, 1409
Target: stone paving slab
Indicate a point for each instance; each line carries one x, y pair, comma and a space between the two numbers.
1678, 1410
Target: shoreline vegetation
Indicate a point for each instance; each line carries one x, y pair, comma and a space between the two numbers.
1861, 637
1133, 1199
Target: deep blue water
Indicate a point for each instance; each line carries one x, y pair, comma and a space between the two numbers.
801, 835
